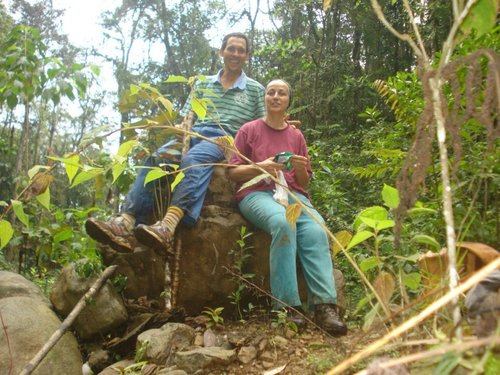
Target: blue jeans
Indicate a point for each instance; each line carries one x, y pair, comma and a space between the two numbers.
149, 203
307, 240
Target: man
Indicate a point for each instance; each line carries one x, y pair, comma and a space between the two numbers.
237, 99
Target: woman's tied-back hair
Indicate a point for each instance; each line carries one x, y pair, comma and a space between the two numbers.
236, 35
290, 96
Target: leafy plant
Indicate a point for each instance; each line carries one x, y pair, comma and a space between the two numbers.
215, 316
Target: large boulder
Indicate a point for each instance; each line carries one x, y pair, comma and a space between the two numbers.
106, 312
28, 322
207, 251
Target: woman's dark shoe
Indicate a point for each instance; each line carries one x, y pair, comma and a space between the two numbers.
327, 317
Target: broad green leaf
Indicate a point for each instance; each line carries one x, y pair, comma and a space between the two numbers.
253, 181
177, 179
199, 108
384, 224
176, 79
44, 198
154, 174
72, 165
420, 211
343, 237
481, 17
293, 212
85, 175
64, 234
6, 233
126, 147
374, 213
167, 104
359, 237
369, 263
117, 169
412, 280
17, 206
390, 196
426, 240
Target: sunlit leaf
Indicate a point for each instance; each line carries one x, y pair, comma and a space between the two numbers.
199, 108
6, 233
44, 198
327, 5
384, 285
292, 213
116, 170
126, 147
154, 174
85, 175
176, 79
167, 104
64, 234
390, 196
343, 237
359, 237
374, 213
17, 206
37, 168
177, 179
369, 263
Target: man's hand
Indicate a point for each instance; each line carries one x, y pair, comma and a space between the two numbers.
292, 122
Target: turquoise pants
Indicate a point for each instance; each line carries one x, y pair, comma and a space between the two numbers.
307, 240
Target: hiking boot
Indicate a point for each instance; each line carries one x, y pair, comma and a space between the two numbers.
327, 317
116, 232
156, 236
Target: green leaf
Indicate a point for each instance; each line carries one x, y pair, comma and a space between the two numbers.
44, 198
359, 237
370, 317
177, 179
199, 108
17, 206
369, 263
420, 211
167, 104
6, 233
492, 366
126, 147
176, 79
374, 212
448, 363
384, 224
390, 196
64, 234
117, 169
154, 174
85, 175
427, 240
481, 17
412, 280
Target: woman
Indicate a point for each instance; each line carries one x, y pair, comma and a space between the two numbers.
260, 140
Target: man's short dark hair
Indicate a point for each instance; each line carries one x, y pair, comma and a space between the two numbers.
235, 35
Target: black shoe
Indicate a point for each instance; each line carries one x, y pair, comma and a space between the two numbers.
327, 317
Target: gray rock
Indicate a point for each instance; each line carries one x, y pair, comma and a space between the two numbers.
201, 358
29, 323
247, 354
106, 312
161, 343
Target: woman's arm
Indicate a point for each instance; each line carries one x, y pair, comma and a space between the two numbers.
245, 172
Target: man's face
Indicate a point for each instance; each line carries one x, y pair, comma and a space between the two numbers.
234, 55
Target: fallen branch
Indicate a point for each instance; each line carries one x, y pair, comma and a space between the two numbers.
35, 361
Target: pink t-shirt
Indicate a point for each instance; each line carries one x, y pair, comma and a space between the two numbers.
258, 141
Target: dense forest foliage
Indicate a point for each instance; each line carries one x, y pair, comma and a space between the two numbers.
363, 93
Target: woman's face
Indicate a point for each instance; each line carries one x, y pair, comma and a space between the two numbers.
277, 96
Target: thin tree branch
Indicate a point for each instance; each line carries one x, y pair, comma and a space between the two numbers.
35, 361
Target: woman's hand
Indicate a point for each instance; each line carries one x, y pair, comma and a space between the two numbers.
299, 163
270, 166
